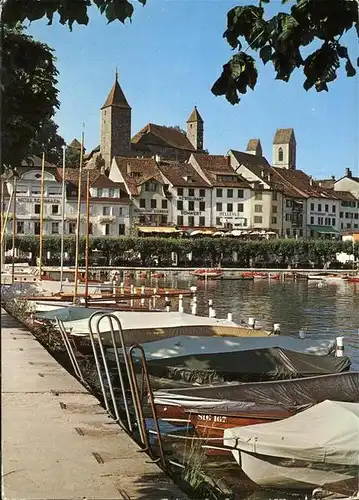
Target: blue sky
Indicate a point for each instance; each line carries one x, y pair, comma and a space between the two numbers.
168, 59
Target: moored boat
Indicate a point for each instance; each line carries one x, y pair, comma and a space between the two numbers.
223, 403
207, 273
269, 363
318, 447
148, 326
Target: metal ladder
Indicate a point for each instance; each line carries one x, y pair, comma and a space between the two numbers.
105, 380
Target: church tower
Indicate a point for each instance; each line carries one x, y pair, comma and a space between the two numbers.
115, 125
284, 149
195, 130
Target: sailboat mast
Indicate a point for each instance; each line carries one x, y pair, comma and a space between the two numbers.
78, 225
63, 204
41, 213
87, 237
13, 231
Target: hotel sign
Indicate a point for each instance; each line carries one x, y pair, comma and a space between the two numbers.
185, 212
38, 200
190, 198
231, 215
154, 211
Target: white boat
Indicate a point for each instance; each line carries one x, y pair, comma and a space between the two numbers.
315, 448
187, 345
149, 326
47, 306
69, 313
327, 277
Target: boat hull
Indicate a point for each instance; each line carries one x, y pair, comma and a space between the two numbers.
271, 472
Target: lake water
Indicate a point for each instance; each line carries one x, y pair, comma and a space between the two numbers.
331, 310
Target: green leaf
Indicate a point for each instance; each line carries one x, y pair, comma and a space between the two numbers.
321, 86
265, 53
349, 68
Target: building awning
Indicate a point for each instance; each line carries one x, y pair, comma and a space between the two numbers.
323, 229
156, 229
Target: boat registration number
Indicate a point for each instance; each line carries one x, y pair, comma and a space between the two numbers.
212, 418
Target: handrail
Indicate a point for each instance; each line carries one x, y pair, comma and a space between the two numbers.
69, 349
150, 395
111, 317
105, 365
97, 362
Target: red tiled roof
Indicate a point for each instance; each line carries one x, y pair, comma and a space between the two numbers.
345, 196
195, 116
214, 166
301, 182
136, 171
176, 173
283, 136
167, 135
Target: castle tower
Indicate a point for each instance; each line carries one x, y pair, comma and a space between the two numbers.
115, 125
254, 147
195, 130
284, 148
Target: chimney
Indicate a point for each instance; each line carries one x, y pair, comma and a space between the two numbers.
103, 170
269, 177
129, 169
228, 158
262, 174
311, 181
157, 159
348, 173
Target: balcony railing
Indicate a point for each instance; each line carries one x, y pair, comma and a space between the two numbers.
106, 219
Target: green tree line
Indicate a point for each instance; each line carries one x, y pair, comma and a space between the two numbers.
201, 251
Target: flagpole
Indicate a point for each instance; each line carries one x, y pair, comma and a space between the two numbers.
78, 224
63, 204
87, 237
41, 213
13, 231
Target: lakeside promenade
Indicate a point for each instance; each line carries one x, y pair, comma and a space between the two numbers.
57, 441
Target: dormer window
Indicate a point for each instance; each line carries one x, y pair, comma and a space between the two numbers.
280, 154
187, 178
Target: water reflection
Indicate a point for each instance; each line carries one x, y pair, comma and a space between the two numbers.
331, 310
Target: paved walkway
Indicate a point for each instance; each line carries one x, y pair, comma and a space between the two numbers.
57, 442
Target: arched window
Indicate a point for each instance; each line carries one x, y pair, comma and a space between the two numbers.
280, 154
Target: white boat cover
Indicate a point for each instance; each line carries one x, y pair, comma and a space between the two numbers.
139, 320
70, 313
326, 433
43, 306
185, 345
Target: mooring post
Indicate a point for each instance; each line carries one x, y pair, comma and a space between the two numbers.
276, 328
167, 302
251, 322
340, 347
210, 307
180, 303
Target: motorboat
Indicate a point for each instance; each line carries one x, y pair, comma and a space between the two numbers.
186, 345
140, 327
315, 448
267, 363
207, 273
213, 408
